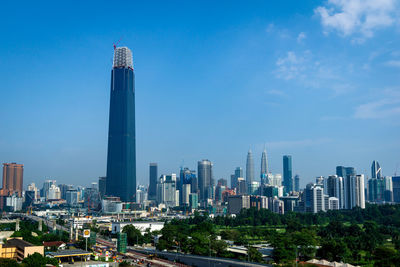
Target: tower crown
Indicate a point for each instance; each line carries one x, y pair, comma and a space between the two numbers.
122, 58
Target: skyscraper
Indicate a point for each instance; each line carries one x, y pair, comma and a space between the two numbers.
13, 178
249, 168
234, 177
297, 183
153, 175
121, 157
102, 186
354, 191
287, 173
264, 164
376, 171
204, 170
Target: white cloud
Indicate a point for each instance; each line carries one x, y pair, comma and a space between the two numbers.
388, 106
292, 66
393, 63
302, 36
358, 17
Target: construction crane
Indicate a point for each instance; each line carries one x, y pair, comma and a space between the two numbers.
115, 45
397, 167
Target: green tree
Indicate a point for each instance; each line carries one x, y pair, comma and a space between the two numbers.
8, 263
37, 260
254, 255
386, 256
133, 234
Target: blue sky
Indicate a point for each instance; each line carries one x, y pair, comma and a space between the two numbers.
318, 80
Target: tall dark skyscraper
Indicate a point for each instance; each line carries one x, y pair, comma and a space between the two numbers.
287, 173
264, 164
153, 175
102, 186
204, 171
121, 157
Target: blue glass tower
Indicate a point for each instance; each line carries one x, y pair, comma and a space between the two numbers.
121, 157
287, 173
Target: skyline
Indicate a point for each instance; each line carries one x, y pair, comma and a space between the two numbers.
60, 132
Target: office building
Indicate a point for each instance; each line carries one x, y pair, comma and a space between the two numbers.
241, 188
166, 190
264, 164
186, 190
102, 186
121, 157
153, 175
249, 168
54, 193
396, 188
29, 198
289, 202
13, 179
45, 189
32, 187
204, 171
193, 201
64, 188
72, 197
253, 188
376, 190
335, 188
333, 203
141, 194
277, 205
237, 203
376, 171
344, 172
287, 173
388, 194
297, 183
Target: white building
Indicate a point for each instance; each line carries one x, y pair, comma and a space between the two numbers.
166, 190
185, 193
354, 191
333, 203
54, 192
117, 227
32, 187
317, 199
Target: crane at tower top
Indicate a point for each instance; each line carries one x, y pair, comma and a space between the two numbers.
115, 44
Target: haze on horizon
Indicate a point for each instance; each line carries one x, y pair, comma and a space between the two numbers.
318, 80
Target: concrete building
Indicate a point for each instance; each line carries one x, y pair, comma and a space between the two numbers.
117, 227
317, 199
18, 249
259, 202
166, 190
54, 193
13, 179
237, 203
205, 177
72, 197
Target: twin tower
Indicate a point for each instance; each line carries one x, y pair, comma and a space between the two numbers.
121, 156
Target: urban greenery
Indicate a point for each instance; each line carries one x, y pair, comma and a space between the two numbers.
367, 237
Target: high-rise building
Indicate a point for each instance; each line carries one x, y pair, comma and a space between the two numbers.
234, 177
237, 203
249, 168
297, 183
102, 186
54, 193
376, 190
32, 187
388, 194
376, 171
46, 186
153, 175
264, 164
287, 173
345, 171
317, 199
335, 188
72, 197
64, 188
166, 190
396, 188
121, 157
354, 191
204, 170
13, 179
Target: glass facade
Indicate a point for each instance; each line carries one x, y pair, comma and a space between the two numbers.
287, 173
121, 158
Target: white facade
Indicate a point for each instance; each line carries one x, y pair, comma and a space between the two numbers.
54, 192
166, 190
123, 57
117, 227
111, 206
317, 199
185, 193
32, 187
354, 191
333, 203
